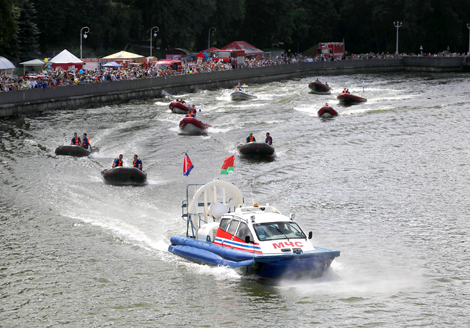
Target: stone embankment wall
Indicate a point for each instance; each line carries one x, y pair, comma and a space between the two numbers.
88, 95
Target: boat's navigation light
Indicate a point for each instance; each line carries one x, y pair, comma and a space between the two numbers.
255, 205
292, 216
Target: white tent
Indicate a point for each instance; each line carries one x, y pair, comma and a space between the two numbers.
66, 60
122, 55
112, 64
34, 62
65, 57
6, 67
36, 65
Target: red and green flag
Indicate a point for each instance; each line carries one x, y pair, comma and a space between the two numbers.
228, 165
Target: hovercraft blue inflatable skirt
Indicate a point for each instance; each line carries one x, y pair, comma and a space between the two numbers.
209, 253
311, 264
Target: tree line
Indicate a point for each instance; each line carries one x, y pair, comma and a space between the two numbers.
29, 28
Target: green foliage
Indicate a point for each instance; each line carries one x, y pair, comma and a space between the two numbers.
9, 12
28, 32
228, 20
365, 25
268, 21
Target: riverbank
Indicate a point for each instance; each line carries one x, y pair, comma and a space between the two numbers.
89, 95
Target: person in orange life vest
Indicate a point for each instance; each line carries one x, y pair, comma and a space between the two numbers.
192, 112
269, 139
250, 138
344, 90
137, 162
76, 140
86, 142
118, 161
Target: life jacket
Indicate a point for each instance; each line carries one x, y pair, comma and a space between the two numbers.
76, 141
251, 139
119, 162
86, 142
136, 162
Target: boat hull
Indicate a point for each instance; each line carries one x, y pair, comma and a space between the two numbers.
327, 112
311, 264
192, 125
122, 176
73, 150
179, 108
319, 88
240, 95
260, 149
349, 99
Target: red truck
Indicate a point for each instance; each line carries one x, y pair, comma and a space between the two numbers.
331, 49
174, 65
235, 57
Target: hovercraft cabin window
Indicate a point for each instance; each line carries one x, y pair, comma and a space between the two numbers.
244, 231
224, 224
233, 227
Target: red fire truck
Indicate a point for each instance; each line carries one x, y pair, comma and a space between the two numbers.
174, 65
236, 57
330, 49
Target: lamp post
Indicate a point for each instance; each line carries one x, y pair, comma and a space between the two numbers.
213, 29
397, 25
468, 26
421, 48
84, 35
152, 35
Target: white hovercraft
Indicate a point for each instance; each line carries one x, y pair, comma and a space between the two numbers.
251, 239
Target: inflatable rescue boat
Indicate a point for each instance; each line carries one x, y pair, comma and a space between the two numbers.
75, 150
192, 125
319, 88
255, 149
122, 176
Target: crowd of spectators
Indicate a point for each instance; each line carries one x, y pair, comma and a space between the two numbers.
49, 78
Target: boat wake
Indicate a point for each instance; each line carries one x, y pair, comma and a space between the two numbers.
219, 130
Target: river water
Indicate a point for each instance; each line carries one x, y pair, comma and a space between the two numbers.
386, 183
